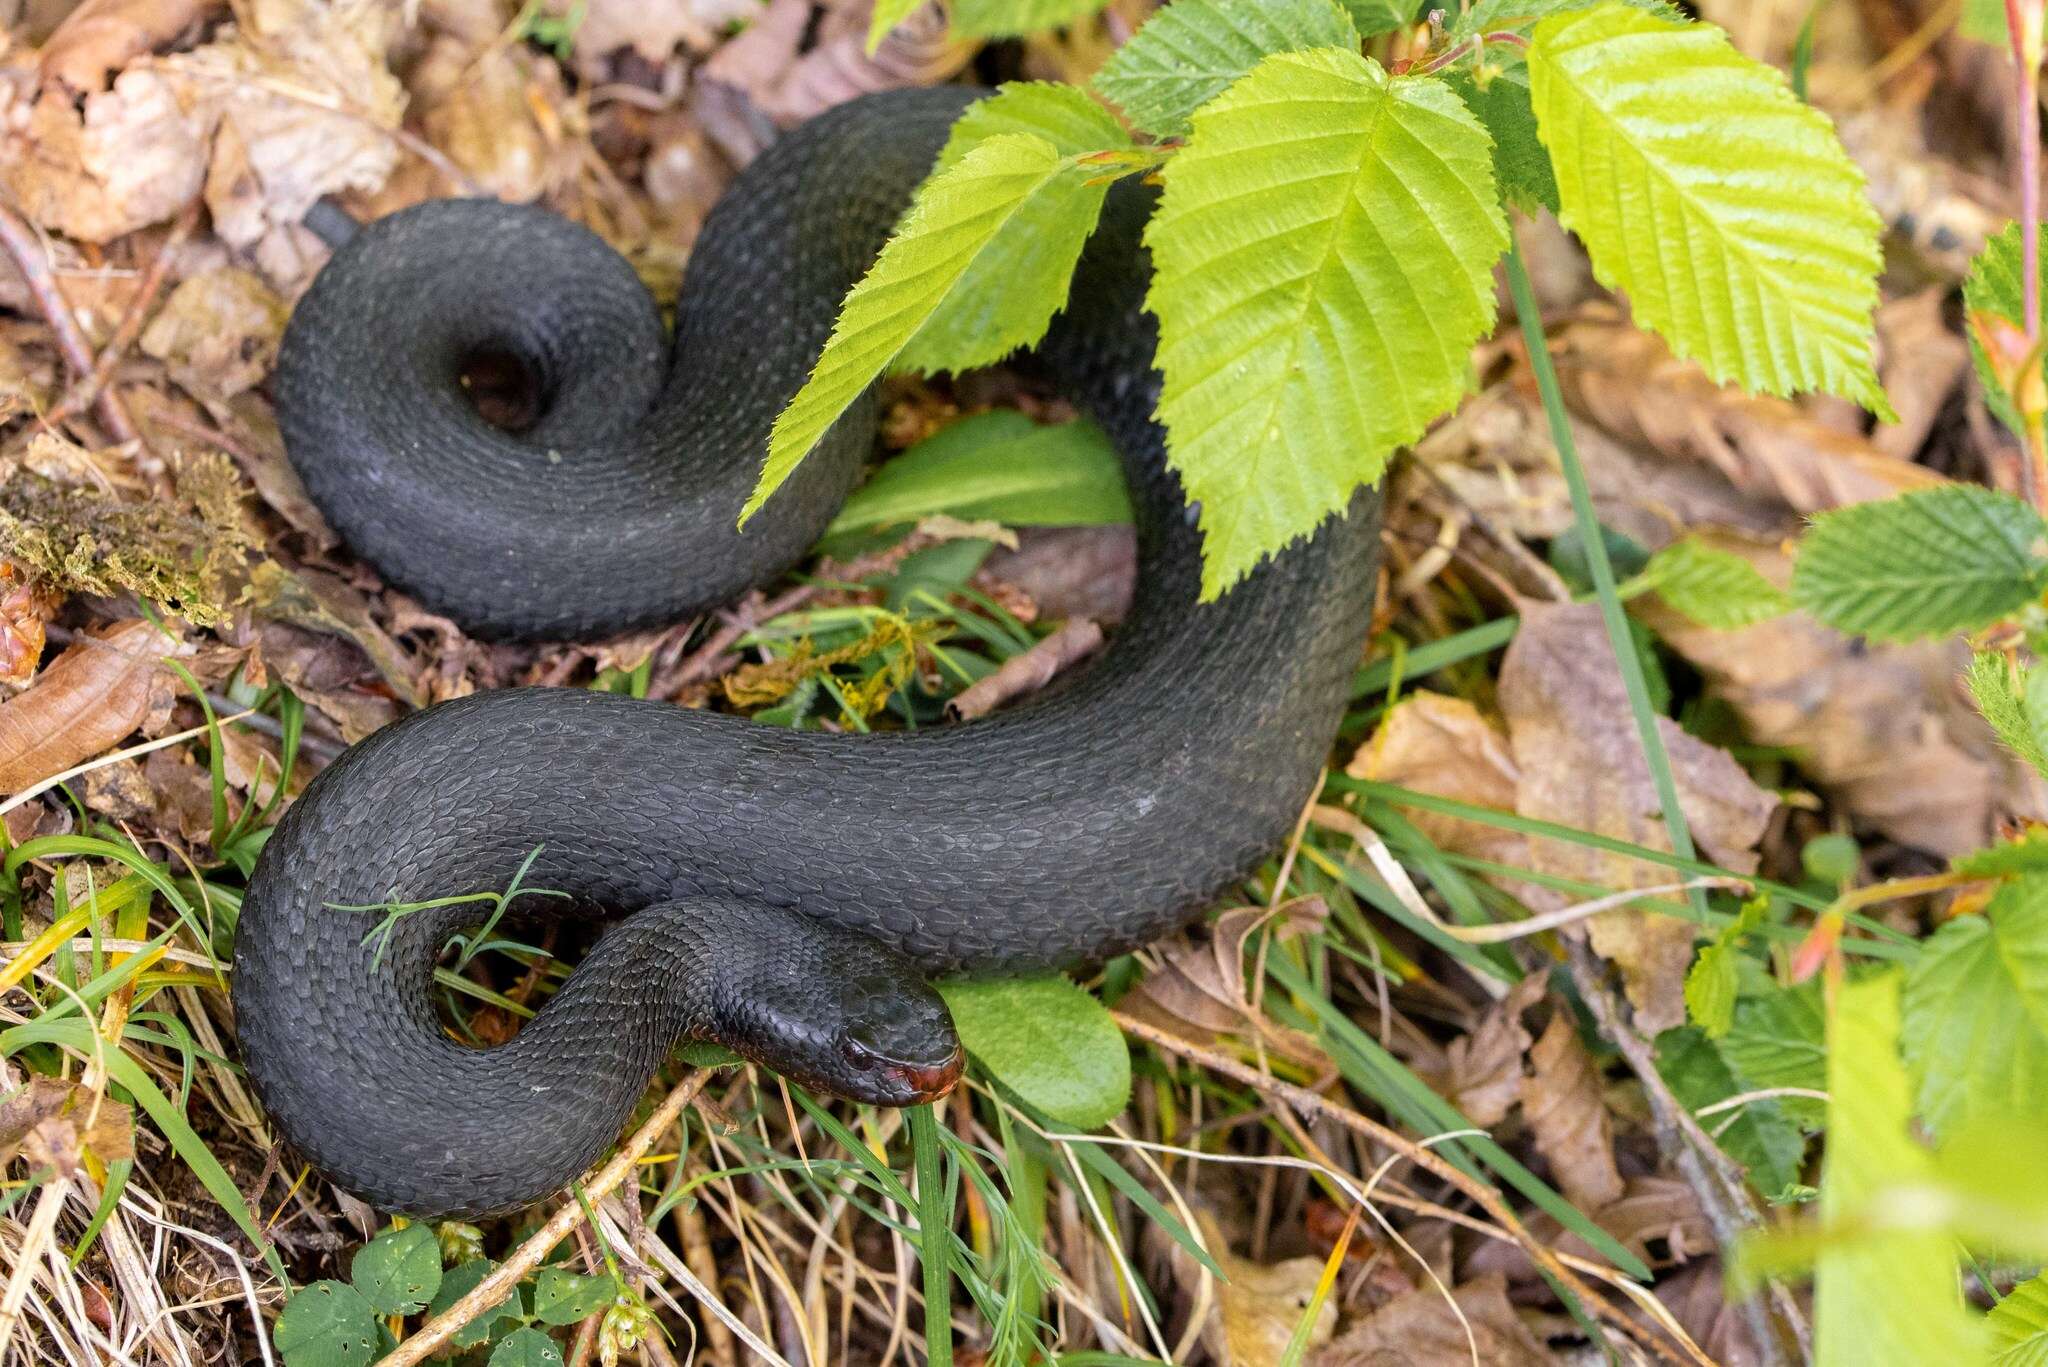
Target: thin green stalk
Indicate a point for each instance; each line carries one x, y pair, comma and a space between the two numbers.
934, 1247
1602, 568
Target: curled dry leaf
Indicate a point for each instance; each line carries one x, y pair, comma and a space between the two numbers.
1921, 361
90, 698
1422, 1329
479, 108
1257, 1306
1567, 1114
322, 603
128, 157
24, 611
1198, 989
102, 36
1883, 730
1072, 571
218, 333
1481, 1073
53, 1123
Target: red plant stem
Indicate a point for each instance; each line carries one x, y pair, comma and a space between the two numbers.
21, 243
2023, 21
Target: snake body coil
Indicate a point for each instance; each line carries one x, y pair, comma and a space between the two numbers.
789, 893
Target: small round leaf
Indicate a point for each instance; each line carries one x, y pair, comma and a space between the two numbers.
399, 1271
563, 1297
1049, 1042
526, 1348
327, 1324
458, 1282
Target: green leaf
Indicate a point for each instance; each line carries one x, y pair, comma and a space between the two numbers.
1996, 285
1006, 18
2016, 708
1984, 20
1193, 50
1380, 16
1713, 587
458, 1282
1976, 1008
398, 1271
1926, 563
1743, 237
2013, 858
1302, 343
1885, 1297
1758, 1135
1017, 282
1778, 1040
564, 1297
1016, 190
526, 1348
2019, 1326
1049, 1042
888, 14
1712, 982
327, 1324
999, 466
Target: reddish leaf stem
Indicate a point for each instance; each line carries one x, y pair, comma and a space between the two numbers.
2023, 20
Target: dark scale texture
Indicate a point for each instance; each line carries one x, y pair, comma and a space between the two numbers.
755, 862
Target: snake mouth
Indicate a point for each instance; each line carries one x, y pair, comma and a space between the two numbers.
928, 1082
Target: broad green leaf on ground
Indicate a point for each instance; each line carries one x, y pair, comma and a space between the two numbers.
1778, 1040
1715, 978
1302, 343
1878, 1298
1063, 115
2019, 1326
1757, 1135
2010, 859
1003, 18
1193, 50
564, 1297
888, 14
458, 1282
1013, 184
1713, 587
327, 1324
1995, 286
1926, 563
2016, 707
526, 1348
999, 466
1049, 1042
1976, 1011
1721, 202
400, 1270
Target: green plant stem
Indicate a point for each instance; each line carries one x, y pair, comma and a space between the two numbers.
933, 1247
1602, 568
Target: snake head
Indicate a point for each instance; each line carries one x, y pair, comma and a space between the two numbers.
841, 1013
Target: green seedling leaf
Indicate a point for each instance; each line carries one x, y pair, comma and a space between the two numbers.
327, 1324
1885, 1297
888, 14
998, 466
2015, 702
1063, 115
1778, 1040
1712, 982
1926, 563
564, 1297
399, 1271
1193, 50
1008, 18
458, 1282
1976, 1013
1759, 1136
1713, 587
2012, 859
1302, 343
526, 1348
1049, 1042
2019, 1326
1995, 287
1745, 240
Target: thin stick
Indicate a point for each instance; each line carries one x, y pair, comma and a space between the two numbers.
85, 392
37, 789
2023, 23
528, 1255
25, 248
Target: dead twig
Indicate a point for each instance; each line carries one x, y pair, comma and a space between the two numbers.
85, 391
26, 250
1027, 673
528, 1255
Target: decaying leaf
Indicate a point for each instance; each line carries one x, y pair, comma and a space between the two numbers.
1481, 1073
24, 610
1421, 1329
54, 1123
1198, 989
1581, 765
180, 553
218, 333
1258, 1306
320, 602
1444, 745
1562, 1102
128, 157
102, 36
90, 697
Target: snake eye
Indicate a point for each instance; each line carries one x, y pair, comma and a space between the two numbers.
856, 1054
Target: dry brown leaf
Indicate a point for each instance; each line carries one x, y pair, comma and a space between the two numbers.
102, 36
1884, 730
1581, 765
654, 29
480, 110
320, 602
52, 1123
1072, 571
1657, 1218
1258, 1305
1482, 1071
1421, 1329
24, 611
132, 156
1921, 360
92, 696
218, 333
1198, 989
1562, 1101
1443, 745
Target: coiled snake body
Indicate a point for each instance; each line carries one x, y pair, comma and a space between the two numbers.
788, 893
